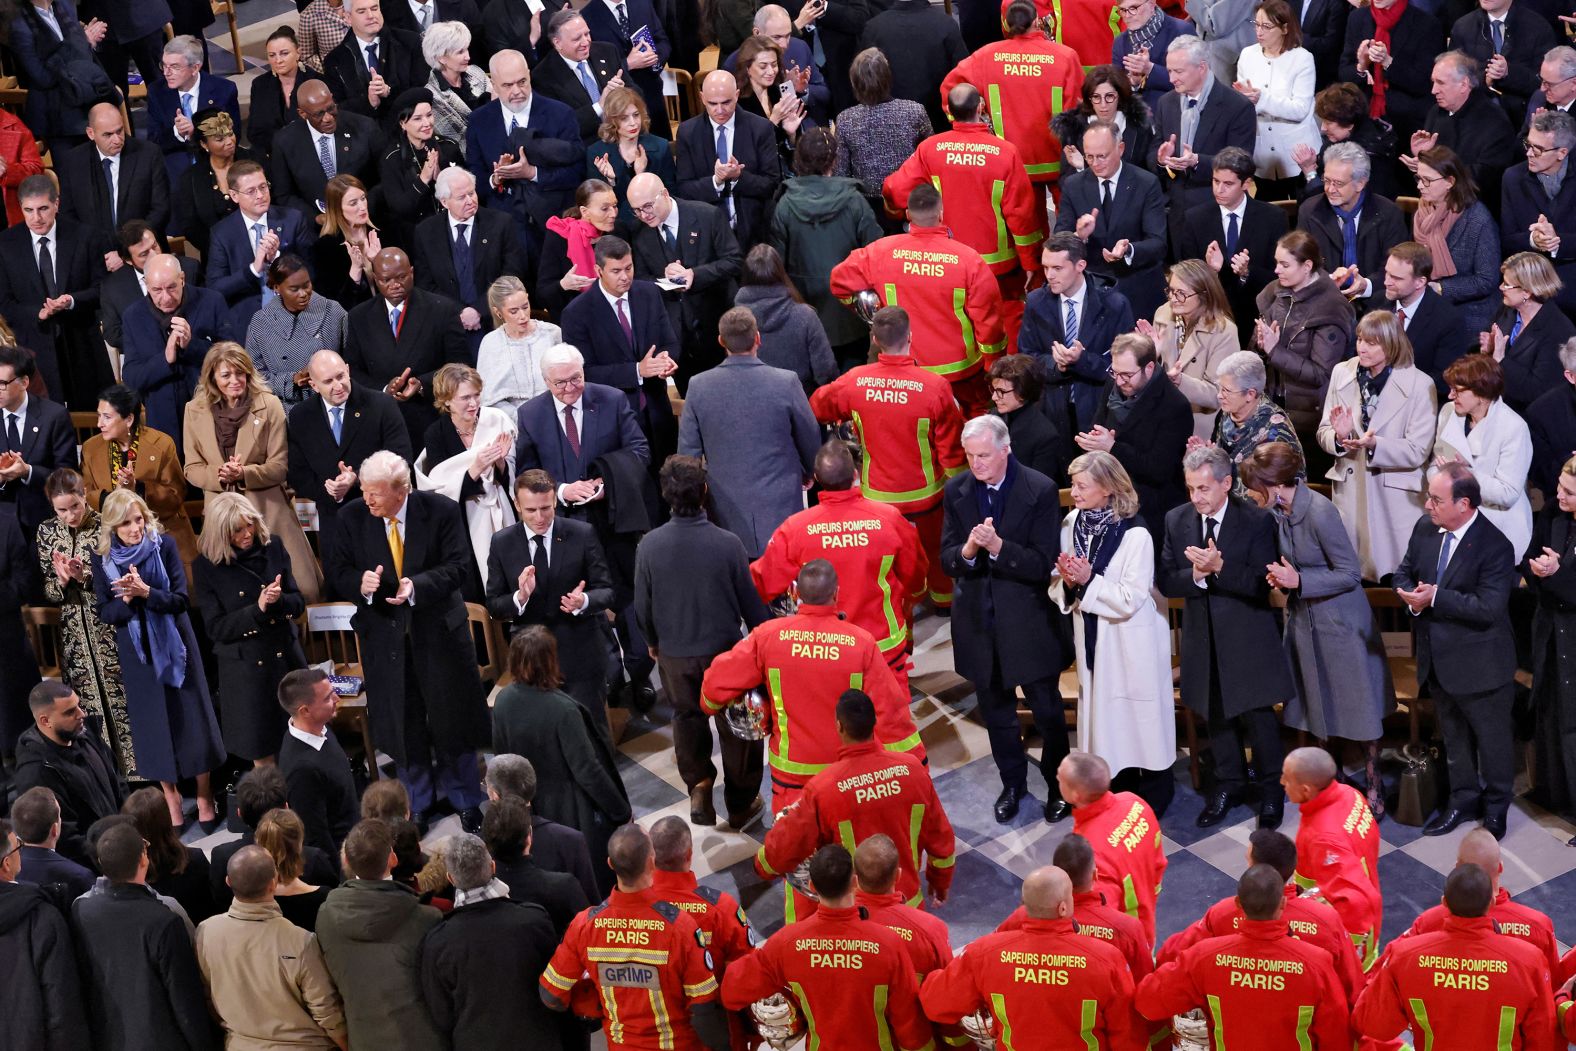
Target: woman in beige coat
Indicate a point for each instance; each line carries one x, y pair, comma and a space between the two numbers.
1193, 332
235, 442
1378, 423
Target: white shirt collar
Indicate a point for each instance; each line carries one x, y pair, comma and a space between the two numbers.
389, 308
672, 221
523, 115
50, 233
1239, 211
399, 516
1462, 532
1115, 178
314, 741
195, 91
1219, 517
114, 161
328, 412
1077, 298
455, 225
612, 301
1417, 300
729, 124
20, 413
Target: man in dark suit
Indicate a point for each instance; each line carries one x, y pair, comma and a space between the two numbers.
1119, 212
1197, 120
511, 24
689, 244
1145, 422
36, 437
554, 846
1456, 579
578, 71
136, 34
551, 571
316, 769
374, 63
1557, 85
112, 178
1323, 25
395, 342
462, 250
244, 242
168, 333
182, 91
1355, 260
622, 328
999, 541
298, 172
1235, 234
1552, 420
1538, 200
1466, 118
1068, 325
524, 150
261, 789
620, 23
125, 285
405, 556
332, 434
1508, 40
921, 45
1234, 669
36, 816
50, 272
1431, 322
743, 182
417, 16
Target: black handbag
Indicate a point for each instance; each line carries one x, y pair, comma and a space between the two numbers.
1422, 778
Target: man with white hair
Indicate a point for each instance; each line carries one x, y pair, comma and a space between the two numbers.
1355, 228
999, 542
402, 556
565, 429
1466, 118
1201, 116
165, 336
463, 249
576, 70
184, 91
1557, 90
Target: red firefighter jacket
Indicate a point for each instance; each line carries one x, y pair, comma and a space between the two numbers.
1026, 81
1097, 919
1338, 852
1128, 858
724, 929
1510, 918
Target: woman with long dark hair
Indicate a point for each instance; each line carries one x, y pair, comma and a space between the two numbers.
174, 869
791, 334
1460, 235
1107, 95
408, 173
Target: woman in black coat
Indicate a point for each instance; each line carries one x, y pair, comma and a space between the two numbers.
1530, 329
203, 196
1015, 388
274, 92
249, 603
174, 869
408, 173
1550, 572
1107, 95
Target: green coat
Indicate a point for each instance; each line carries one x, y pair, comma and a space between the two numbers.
818, 221
370, 932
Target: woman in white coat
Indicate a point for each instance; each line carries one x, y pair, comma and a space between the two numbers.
1276, 75
1487, 435
1379, 421
1105, 578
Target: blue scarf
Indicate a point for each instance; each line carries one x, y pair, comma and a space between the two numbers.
1096, 536
1348, 218
155, 637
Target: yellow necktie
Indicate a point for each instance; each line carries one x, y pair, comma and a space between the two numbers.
396, 548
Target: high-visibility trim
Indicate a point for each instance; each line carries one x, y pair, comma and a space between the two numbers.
702, 988
883, 1031
897, 629
774, 683
1217, 1022
845, 835
622, 954
998, 1007
943, 863
764, 865
1088, 1017
905, 744
1420, 1024
556, 980
1507, 1028
615, 1025
711, 707
812, 1041
1304, 1024
659, 1015
971, 345
932, 484
1129, 896
1367, 948
1004, 250
790, 766
998, 118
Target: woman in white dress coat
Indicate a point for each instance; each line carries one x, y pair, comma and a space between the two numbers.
1105, 578
1379, 420
1277, 76
1481, 431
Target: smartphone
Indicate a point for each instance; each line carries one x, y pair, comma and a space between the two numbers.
536, 7
787, 89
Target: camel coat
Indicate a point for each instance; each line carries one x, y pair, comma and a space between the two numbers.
1197, 360
159, 482
260, 445
1381, 498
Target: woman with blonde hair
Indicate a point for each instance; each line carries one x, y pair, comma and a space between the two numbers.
1105, 578
140, 587
281, 833
510, 357
1193, 332
1378, 423
1525, 338
236, 442
627, 149
468, 456
342, 255
249, 602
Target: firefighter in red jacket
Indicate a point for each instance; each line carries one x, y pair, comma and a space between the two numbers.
848, 977
993, 209
644, 959
1308, 919
951, 296
877, 865
910, 430
1089, 28
868, 790
1043, 985
1130, 862
1337, 845
805, 662
1464, 986
876, 551
1261, 987
724, 929
1480, 848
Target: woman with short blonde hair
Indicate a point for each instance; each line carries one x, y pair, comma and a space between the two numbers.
1525, 338
458, 86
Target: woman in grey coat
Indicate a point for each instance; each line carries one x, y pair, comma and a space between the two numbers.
1336, 651
291, 327
791, 334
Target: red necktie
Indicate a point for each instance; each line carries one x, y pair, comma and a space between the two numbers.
570, 430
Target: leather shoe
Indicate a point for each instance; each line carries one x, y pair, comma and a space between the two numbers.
1272, 808
1446, 821
1220, 804
751, 814
1495, 826
702, 811
1057, 809
1007, 803
471, 819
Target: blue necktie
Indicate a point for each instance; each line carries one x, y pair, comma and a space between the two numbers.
1498, 29
325, 156
1070, 327
109, 181
1444, 559
1515, 330
1231, 237
723, 153
186, 104
262, 279
338, 413
464, 272
372, 58
588, 82
394, 321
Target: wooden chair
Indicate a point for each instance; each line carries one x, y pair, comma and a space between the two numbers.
1401, 655
1290, 208
226, 8
85, 424
1408, 205
492, 656
685, 104
42, 624
329, 637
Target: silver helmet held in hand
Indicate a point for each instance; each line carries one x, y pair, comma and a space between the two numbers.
866, 303
750, 715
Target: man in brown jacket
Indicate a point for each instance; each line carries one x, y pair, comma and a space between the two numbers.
266, 977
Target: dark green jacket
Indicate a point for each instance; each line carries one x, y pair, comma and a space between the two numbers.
818, 221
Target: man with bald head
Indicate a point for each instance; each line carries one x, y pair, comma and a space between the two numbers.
164, 338
398, 340
1259, 986
1337, 845
689, 248
326, 141
1130, 862
266, 977
877, 863
331, 434
728, 158
113, 178
1042, 984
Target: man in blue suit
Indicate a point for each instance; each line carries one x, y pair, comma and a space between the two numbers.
524, 150
619, 22
244, 242
185, 90
166, 335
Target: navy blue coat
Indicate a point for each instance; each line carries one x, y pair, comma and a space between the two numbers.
167, 388
607, 423
230, 253
1522, 200
213, 92
590, 325
1106, 315
44, 62
487, 139
1228, 119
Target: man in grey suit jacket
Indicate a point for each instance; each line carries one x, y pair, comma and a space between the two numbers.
753, 424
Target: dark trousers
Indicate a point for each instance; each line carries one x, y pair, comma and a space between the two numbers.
742, 761
427, 771
999, 709
1478, 746
1229, 735
147, 53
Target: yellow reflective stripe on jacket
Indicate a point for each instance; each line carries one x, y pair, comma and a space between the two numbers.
1217, 1023
926, 460
1420, 1023
812, 1041
659, 1015
556, 980
1088, 1017
1304, 1023
766, 867
897, 632
1004, 250
774, 683
998, 1007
